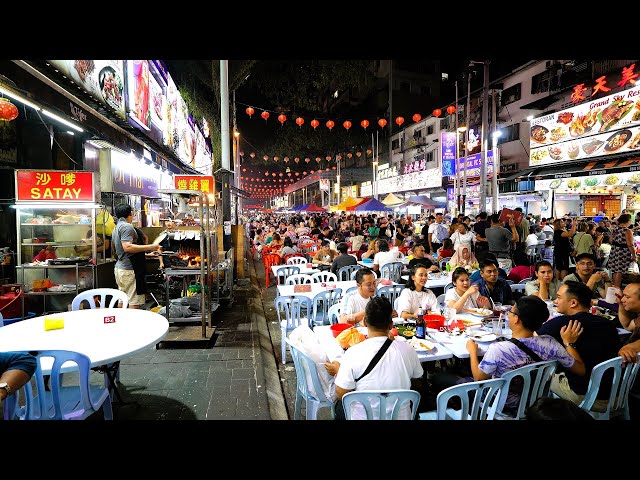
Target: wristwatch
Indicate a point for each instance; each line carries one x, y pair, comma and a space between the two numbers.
573, 345
6, 386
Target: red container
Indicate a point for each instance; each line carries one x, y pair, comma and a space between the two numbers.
338, 328
10, 300
434, 321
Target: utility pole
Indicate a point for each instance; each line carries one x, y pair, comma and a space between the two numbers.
466, 143
456, 178
496, 154
225, 171
484, 137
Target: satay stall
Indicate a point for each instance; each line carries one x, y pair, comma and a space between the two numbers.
59, 237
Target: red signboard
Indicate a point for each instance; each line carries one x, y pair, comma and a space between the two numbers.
54, 185
202, 183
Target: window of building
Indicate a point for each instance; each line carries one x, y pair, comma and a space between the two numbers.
405, 86
418, 133
395, 144
540, 82
425, 90
430, 156
511, 94
509, 133
430, 129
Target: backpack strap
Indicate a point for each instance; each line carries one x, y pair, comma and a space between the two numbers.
525, 349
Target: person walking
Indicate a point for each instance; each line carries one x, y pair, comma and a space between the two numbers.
623, 250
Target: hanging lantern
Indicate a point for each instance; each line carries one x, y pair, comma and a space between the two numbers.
318, 159
275, 159
282, 118
327, 158
265, 158
314, 123
399, 120
451, 109
330, 124
347, 125
281, 175
338, 157
307, 159
382, 122
300, 121
333, 168
244, 169
364, 123
417, 117
8, 111
250, 111
265, 115
266, 174
358, 154
349, 155
252, 155
285, 159
369, 152
297, 160
437, 112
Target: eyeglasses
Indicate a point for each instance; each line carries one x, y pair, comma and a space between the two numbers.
368, 284
586, 264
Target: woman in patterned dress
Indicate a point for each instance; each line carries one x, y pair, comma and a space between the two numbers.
623, 250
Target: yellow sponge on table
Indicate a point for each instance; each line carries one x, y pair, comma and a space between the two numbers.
53, 323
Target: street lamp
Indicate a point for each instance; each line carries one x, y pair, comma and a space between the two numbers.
463, 188
496, 168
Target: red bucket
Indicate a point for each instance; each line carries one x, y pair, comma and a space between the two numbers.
10, 301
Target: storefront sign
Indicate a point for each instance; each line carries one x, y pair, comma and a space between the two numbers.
366, 190
415, 166
202, 183
324, 184
448, 152
431, 178
138, 87
131, 175
387, 172
54, 185
473, 163
605, 83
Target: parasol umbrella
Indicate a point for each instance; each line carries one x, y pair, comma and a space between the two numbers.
373, 205
391, 200
424, 202
299, 208
364, 200
349, 202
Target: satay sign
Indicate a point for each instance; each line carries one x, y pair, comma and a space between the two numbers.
54, 185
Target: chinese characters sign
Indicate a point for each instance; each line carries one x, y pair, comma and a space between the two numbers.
628, 76
54, 185
202, 183
448, 142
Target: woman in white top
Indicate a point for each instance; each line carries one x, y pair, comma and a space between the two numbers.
416, 295
462, 235
532, 239
463, 295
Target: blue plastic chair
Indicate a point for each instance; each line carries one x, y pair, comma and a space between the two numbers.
536, 381
334, 313
381, 404
282, 273
442, 263
321, 304
324, 276
298, 279
348, 272
68, 402
482, 406
623, 378
440, 301
390, 292
391, 271
312, 394
88, 297
448, 286
290, 310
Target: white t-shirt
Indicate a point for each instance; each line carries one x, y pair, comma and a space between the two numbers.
457, 238
433, 230
355, 303
452, 295
411, 300
382, 258
532, 240
396, 368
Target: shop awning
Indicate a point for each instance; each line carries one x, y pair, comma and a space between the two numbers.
589, 167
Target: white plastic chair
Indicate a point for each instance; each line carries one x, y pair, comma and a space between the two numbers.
623, 378
448, 286
296, 261
381, 404
535, 379
390, 292
312, 394
483, 406
440, 301
325, 276
88, 296
298, 279
289, 310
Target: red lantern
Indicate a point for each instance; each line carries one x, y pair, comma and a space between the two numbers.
338, 157
265, 115
250, 111
300, 121
437, 112
282, 118
318, 159
399, 120
451, 109
327, 158
330, 124
369, 152
349, 155
307, 159
275, 159
347, 125
417, 117
265, 158
364, 123
382, 122
358, 154
8, 111
286, 159
314, 123
297, 160
252, 155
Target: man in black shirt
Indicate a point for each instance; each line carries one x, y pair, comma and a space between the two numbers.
425, 229
418, 252
598, 342
481, 245
342, 260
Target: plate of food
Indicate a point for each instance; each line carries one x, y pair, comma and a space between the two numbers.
479, 312
617, 140
612, 180
539, 134
482, 336
111, 86
555, 184
592, 146
422, 345
573, 150
557, 134
612, 114
537, 155
555, 152
573, 183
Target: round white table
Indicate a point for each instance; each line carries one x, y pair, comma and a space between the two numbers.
85, 331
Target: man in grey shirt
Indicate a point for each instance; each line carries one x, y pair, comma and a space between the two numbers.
499, 238
124, 240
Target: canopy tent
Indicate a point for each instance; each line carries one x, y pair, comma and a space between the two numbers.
299, 208
353, 207
424, 202
349, 202
373, 205
312, 207
391, 200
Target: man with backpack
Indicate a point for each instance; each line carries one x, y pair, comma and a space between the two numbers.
438, 231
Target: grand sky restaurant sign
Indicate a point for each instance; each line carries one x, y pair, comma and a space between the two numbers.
54, 186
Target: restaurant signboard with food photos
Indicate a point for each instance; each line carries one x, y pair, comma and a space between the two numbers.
604, 184
605, 126
104, 79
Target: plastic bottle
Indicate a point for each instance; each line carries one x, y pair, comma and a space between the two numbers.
420, 325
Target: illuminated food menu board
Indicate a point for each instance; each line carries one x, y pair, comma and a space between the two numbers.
104, 79
602, 127
138, 89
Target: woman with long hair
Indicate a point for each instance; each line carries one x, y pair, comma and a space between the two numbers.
463, 295
416, 295
623, 250
562, 247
